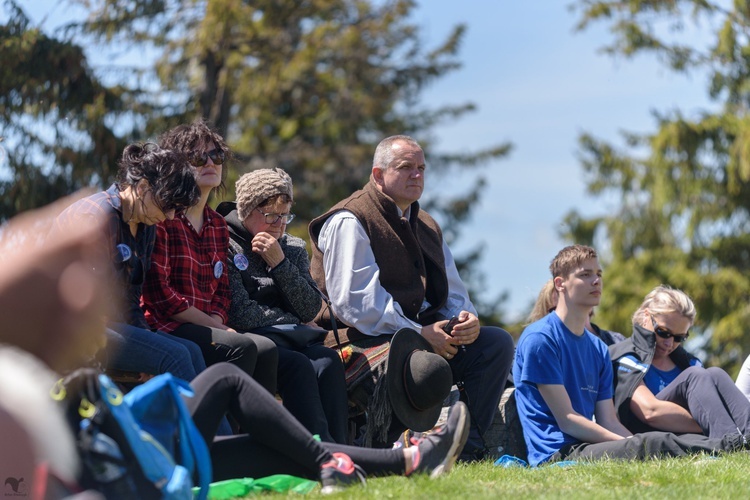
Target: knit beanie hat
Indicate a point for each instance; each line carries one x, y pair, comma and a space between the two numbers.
257, 186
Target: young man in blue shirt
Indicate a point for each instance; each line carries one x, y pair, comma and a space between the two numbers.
563, 377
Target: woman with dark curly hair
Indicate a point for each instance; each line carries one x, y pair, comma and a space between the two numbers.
152, 185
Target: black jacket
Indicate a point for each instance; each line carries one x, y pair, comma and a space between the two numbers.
261, 296
631, 359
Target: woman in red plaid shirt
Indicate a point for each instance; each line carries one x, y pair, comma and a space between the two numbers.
186, 291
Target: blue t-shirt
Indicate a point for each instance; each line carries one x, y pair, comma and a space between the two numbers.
549, 353
657, 380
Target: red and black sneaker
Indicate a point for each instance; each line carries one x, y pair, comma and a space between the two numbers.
340, 472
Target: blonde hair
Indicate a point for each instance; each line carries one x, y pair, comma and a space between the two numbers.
569, 259
664, 300
545, 302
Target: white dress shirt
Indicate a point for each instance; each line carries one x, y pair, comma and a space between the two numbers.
353, 280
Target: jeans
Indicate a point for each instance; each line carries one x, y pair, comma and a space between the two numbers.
134, 349
130, 348
481, 371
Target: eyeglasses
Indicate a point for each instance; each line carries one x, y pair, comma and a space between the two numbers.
217, 156
665, 333
271, 219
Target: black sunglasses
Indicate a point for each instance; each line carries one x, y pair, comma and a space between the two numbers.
665, 334
217, 156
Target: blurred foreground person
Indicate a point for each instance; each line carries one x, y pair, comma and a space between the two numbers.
52, 317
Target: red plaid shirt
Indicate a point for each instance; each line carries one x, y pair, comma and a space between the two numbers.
187, 269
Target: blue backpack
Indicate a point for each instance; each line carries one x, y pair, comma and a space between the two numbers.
141, 445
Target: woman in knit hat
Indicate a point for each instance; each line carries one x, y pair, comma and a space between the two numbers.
272, 289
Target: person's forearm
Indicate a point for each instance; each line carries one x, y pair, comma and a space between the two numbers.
668, 416
614, 425
586, 430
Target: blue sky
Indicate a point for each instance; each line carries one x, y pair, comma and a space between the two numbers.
537, 84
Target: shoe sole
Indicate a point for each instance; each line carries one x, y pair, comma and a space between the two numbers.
459, 440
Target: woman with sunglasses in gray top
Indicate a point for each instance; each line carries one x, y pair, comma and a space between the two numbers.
660, 386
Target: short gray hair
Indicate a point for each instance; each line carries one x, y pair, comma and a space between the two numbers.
384, 152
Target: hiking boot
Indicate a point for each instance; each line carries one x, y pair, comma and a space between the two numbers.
340, 472
438, 449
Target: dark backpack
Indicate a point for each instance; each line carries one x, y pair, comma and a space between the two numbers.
141, 445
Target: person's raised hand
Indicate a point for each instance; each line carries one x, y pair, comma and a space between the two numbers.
268, 248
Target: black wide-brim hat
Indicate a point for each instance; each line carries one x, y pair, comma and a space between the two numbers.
418, 380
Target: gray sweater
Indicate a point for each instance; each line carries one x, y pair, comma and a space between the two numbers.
263, 297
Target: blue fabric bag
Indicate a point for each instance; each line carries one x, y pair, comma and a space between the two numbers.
158, 408
144, 445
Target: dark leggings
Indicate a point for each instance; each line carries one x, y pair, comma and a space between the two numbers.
711, 397
255, 354
312, 386
276, 443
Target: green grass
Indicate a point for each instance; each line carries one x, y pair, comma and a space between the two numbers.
687, 478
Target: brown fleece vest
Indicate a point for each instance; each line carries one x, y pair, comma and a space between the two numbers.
409, 254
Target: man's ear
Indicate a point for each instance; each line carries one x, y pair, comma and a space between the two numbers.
377, 175
558, 281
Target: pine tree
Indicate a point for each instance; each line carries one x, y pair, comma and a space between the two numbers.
54, 118
310, 86
685, 188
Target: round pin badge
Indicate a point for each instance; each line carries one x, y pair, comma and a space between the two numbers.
241, 262
124, 252
218, 269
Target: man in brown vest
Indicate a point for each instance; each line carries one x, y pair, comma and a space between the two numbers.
385, 266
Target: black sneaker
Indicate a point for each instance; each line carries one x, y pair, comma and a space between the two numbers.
439, 448
340, 472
